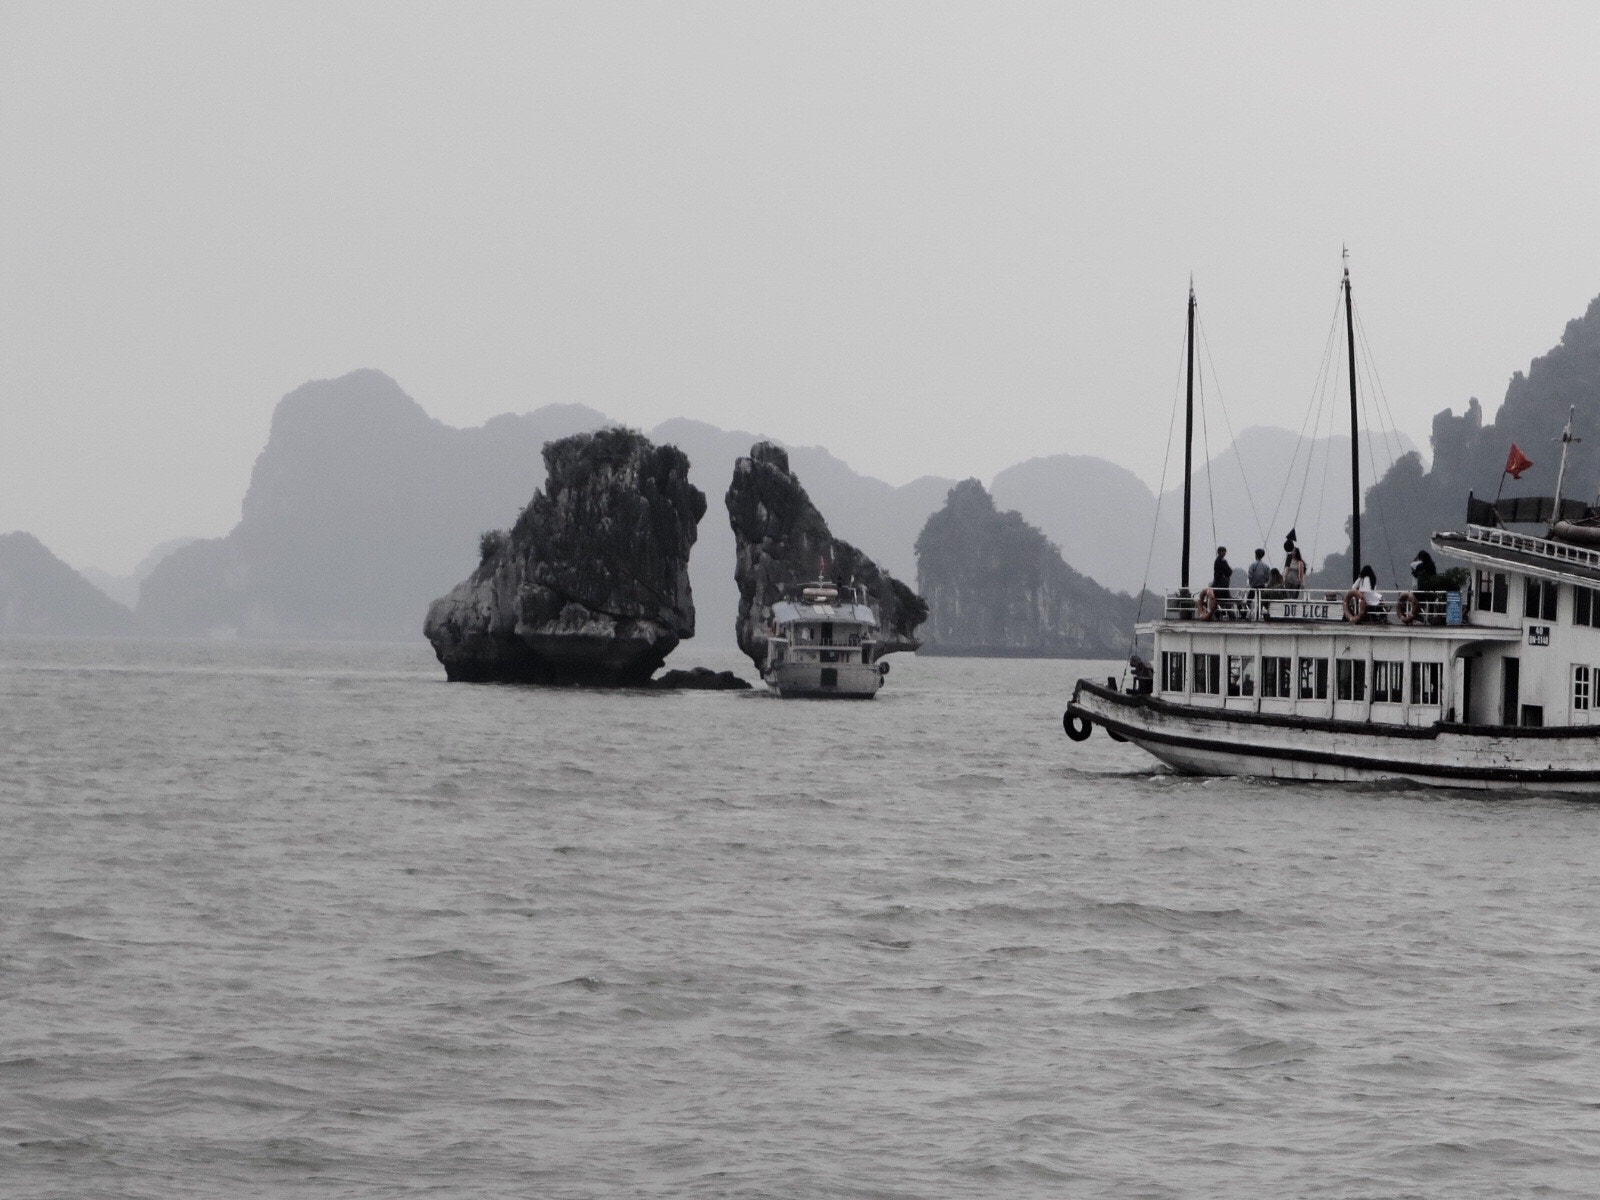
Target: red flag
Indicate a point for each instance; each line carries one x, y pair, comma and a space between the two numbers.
1517, 462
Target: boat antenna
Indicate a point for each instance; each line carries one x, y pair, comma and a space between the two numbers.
1355, 432
1188, 448
1566, 440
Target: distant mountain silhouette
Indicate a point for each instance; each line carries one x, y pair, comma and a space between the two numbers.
124, 589
995, 585
1102, 515
1409, 504
1099, 514
362, 508
40, 594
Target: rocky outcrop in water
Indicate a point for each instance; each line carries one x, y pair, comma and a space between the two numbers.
1000, 588
782, 543
700, 679
591, 585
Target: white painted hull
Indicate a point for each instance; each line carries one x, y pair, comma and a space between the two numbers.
853, 681
1200, 741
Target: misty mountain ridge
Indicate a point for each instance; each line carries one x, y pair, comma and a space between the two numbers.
124, 589
362, 507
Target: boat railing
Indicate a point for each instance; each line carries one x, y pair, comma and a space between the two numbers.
1526, 543
1311, 604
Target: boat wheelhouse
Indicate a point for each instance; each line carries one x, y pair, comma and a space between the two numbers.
823, 646
1491, 684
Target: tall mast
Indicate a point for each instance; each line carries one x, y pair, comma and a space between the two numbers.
1566, 440
1188, 445
1355, 430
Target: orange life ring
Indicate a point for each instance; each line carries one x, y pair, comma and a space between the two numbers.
1355, 605
1205, 604
1407, 608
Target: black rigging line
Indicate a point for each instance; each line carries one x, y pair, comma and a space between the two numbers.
1166, 464
1319, 395
1391, 442
1244, 476
1205, 441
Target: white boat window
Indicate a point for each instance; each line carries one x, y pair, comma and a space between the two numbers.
1350, 679
1241, 675
1425, 678
1388, 682
1539, 599
1313, 679
1171, 671
1275, 676
1585, 606
1492, 591
1207, 673
1580, 688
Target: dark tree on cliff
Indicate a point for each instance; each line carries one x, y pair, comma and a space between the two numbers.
1407, 504
997, 585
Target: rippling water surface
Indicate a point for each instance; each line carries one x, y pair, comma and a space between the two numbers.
307, 921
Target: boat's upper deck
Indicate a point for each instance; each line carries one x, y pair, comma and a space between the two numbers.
1498, 556
786, 612
1526, 554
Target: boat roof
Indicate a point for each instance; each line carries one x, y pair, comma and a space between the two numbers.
1486, 546
785, 611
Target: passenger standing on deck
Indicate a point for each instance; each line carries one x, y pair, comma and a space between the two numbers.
1222, 580
1258, 575
1294, 571
1426, 573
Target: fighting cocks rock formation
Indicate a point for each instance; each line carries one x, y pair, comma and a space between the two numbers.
591, 585
782, 542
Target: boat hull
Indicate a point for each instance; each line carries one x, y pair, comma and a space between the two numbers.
850, 681
1204, 741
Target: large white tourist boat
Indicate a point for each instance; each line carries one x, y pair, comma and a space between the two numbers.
822, 646
1494, 684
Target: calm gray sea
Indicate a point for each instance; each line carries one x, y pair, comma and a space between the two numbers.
309, 921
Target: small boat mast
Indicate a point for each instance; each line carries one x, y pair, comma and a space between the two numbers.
1355, 424
1188, 447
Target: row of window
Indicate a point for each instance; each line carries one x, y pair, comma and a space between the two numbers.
1539, 598
1286, 678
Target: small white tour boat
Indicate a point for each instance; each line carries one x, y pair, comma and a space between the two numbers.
1493, 685
822, 646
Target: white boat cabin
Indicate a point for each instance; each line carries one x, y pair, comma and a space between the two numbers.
822, 644
1519, 646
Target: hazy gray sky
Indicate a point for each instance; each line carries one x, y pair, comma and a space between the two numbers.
935, 238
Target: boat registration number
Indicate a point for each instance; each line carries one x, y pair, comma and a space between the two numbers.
1308, 610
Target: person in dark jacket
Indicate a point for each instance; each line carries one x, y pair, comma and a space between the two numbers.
1222, 581
1426, 573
